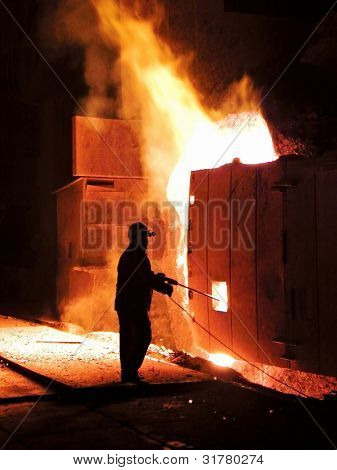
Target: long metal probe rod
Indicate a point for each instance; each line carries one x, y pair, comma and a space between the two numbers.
173, 282
199, 292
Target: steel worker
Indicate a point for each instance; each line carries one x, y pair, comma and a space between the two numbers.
135, 283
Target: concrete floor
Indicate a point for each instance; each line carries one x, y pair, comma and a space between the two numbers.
180, 409
201, 415
75, 360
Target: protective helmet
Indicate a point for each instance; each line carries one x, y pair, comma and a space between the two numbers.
138, 230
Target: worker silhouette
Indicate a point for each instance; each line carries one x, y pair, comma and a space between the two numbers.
135, 283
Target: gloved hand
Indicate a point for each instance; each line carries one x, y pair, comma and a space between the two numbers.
168, 289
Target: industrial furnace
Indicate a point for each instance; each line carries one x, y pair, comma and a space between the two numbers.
108, 193
262, 238
92, 213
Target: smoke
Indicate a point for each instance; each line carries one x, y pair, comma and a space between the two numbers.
131, 72
71, 31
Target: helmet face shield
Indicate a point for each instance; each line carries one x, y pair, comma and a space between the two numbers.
139, 234
151, 233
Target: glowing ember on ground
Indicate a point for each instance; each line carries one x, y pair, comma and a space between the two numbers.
222, 360
95, 361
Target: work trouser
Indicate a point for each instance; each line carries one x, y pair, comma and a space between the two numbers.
134, 340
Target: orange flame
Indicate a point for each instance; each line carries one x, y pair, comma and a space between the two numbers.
180, 134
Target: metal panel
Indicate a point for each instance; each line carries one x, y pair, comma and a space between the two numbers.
197, 255
327, 269
301, 266
68, 236
243, 277
270, 266
219, 252
69, 222
107, 211
100, 219
93, 216
106, 147
281, 295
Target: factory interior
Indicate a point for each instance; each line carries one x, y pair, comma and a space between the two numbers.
214, 124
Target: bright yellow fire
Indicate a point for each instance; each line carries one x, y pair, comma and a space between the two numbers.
180, 133
221, 360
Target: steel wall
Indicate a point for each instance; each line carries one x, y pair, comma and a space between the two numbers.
278, 261
219, 249
198, 255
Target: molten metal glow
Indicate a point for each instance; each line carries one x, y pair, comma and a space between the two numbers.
245, 136
219, 291
222, 360
180, 133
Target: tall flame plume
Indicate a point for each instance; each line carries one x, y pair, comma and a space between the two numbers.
180, 132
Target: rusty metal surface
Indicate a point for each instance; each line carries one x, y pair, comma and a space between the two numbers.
92, 223
301, 266
270, 267
243, 257
197, 255
282, 293
327, 269
219, 257
106, 147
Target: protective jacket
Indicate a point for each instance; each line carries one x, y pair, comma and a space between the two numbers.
136, 281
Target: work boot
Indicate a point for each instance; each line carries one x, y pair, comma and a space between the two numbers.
128, 383
127, 379
139, 380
